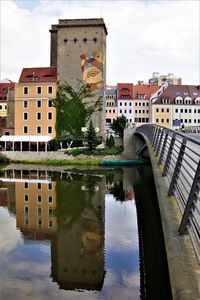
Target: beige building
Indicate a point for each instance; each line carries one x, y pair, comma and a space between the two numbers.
78, 50
34, 113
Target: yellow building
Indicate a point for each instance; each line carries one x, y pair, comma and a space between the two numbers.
34, 113
162, 115
35, 205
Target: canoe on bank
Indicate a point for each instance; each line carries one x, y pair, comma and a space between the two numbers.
121, 162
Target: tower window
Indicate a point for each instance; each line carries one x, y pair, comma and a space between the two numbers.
95, 40
75, 40
85, 40
65, 40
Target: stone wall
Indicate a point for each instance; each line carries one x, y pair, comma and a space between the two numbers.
34, 156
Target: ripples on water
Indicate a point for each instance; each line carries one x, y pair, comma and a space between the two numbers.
69, 236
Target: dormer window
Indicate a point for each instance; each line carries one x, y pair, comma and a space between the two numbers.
179, 100
197, 100
187, 100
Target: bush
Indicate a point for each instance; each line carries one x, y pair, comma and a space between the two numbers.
96, 152
3, 158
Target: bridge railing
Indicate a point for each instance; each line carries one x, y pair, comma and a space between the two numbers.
179, 155
192, 129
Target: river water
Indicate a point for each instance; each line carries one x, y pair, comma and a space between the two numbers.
73, 234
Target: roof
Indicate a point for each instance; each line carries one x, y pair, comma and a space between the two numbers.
25, 138
145, 89
5, 87
125, 90
41, 74
183, 91
64, 23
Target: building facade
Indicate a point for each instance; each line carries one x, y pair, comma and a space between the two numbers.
158, 79
111, 104
34, 113
125, 101
6, 86
177, 105
78, 50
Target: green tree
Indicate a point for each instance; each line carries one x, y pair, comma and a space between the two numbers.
91, 137
119, 125
111, 142
73, 108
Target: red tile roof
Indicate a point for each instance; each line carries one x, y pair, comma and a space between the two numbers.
125, 90
43, 74
183, 91
4, 87
145, 90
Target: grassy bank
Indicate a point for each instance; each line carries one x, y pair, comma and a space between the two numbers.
82, 162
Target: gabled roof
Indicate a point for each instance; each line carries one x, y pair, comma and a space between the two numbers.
145, 89
183, 91
43, 74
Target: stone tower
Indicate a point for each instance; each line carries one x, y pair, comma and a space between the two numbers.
78, 50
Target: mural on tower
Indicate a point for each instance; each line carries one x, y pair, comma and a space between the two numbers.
92, 69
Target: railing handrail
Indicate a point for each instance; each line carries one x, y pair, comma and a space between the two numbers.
180, 156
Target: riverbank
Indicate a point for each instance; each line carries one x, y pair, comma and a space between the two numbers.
56, 158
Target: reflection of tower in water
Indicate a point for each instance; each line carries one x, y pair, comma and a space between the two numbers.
78, 253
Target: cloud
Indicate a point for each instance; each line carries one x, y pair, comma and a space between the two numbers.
143, 36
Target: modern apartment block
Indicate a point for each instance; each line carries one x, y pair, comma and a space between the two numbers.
158, 79
78, 50
34, 113
177, 105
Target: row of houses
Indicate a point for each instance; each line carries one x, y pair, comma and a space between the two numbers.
26, 107
169, 105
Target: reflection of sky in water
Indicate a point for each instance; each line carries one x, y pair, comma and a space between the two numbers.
26, 265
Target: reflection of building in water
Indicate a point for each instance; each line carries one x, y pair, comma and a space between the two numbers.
78, 253
7, 198
35, 198
35, 206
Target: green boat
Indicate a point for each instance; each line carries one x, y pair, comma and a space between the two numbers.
122, 163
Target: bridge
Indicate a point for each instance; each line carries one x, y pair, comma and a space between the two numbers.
175, 159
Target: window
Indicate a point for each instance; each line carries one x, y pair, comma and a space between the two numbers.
50, 199
26, 185
39, 90
162, 110
39, 129
167, 120
0, 107
39, 186
50, 186
50, 211
39, 198
39, 223
26, 210
129, 111
25, 129
136, 111
130, 104
25, 116
113, 110
125, 111
176, 110
39, 103
136, 104
26, 198
190, 111
50, 89
157, 109
49, 103
39, 116
50, 223
147, 111
5, 107
49, 129
143, 104
181, 110
143, 111
185, 110
25, 90
39, 210
125, 103
25, 103
162, 120
120, 103
167, 109
120, 111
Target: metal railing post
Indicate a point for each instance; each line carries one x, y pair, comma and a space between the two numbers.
163, 147
192, 196
177, 167
164, 173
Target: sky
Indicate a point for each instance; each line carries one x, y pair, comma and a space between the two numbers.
144, 36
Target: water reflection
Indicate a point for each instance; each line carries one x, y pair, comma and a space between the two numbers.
64, 235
